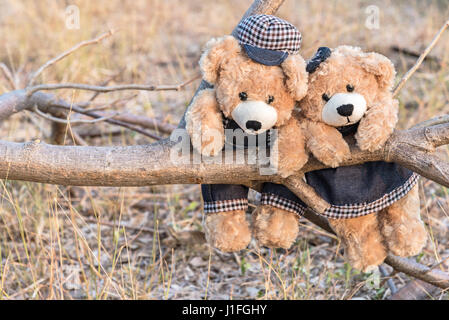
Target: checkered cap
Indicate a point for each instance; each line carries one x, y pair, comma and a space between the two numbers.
269, 32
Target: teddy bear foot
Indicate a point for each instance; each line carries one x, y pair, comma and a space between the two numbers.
405, 239
274, 227
410, 247
362, 241
368, 261
227, 231
402, 227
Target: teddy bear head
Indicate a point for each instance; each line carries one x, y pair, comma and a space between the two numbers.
344, 83
256, 96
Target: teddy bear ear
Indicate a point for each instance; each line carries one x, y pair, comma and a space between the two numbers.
381, 67
216, 51
294, 68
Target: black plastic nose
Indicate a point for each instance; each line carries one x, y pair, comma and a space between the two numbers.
345, 110
255, 125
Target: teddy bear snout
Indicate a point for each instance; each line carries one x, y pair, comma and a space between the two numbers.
254, 117
344, 109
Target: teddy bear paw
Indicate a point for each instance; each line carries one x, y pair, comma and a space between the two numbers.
333, 155
370, 140
227, 231
274, 227
367, 261
406, 240
209, 143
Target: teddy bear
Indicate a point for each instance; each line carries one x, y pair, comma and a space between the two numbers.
256, 80
375, 207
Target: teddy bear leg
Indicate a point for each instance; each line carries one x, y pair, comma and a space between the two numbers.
227, 231
225, 223
402, 227
275, 221
275, 227
362, 240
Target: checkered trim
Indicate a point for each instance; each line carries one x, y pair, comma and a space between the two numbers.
357, 210
282, 203
346, 211
269, 32
225, 205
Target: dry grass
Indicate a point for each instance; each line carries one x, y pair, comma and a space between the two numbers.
143, 243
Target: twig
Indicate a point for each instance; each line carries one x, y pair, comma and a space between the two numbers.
77, 138
8, 75
414, 54
146, 122
104, 83
67, 53
104, 106
420, 59
78, 121
101, 89
112, 121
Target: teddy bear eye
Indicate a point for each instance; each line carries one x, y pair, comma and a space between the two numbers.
243, 96
270, 99
350, 88
325, 97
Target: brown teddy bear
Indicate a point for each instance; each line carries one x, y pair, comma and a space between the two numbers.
256, 78
375, 206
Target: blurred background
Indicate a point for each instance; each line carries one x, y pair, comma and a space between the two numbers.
147, 243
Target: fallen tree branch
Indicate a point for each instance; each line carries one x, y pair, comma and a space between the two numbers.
153, 165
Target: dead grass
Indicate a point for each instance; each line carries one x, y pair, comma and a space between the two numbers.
144, 243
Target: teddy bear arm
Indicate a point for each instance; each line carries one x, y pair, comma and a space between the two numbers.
204, 123
326, 143
377, 125
292, 152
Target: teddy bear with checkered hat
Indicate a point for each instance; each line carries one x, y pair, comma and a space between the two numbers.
255, 81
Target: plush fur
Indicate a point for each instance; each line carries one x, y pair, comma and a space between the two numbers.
226, 66
398, 228
275, 228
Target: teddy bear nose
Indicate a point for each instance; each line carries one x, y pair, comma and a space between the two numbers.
345, 110
254, 125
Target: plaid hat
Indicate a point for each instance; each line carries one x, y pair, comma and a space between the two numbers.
268, 39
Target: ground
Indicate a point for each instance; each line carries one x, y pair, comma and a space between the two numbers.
146, 243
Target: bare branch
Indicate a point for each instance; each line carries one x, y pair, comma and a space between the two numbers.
435, 277
420, 59
16, 101
8, 75
68, 121
152, 164
87, 87
67, 53
146, 122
